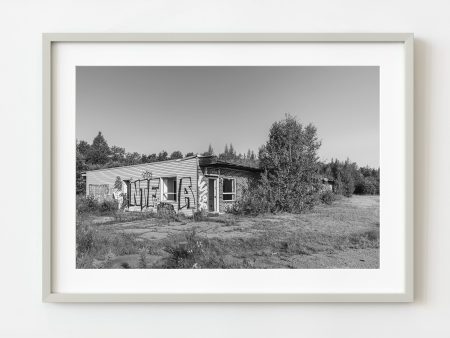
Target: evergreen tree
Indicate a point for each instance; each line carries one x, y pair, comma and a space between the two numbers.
210, 151
99, 151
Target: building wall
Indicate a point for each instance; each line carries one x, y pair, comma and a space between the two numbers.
242, 178
185, 170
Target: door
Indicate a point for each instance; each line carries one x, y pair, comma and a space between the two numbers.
212, 194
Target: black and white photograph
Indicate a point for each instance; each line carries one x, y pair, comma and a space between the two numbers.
227, 167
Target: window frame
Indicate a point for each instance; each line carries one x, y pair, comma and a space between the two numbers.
166, 194
233, 189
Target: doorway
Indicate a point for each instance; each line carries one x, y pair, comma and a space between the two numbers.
212, 195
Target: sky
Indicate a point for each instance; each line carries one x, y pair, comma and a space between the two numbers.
149, 109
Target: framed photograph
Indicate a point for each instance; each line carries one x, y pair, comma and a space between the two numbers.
228, 167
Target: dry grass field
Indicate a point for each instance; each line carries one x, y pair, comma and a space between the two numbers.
342, 235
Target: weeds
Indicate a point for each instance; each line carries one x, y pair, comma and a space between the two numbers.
90, 204
97, 249
327, 197
192, 251
142, 263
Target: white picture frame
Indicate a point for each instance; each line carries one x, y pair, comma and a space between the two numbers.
50, 166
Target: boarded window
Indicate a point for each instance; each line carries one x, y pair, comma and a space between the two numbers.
170, 189
99, 190
229, 189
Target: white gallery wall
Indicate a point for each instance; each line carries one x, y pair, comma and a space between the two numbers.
22, 314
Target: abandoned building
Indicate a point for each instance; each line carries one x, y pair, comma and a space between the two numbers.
189, 184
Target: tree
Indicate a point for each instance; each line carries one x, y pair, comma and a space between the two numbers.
149, 158
348, 179
189, 154
210, 151
162, 156
176, 154
132, 158
80, 182
231, 152
291, 162
82, 149
117, 154
99, 151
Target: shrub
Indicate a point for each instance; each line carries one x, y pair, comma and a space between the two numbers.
255, 199
142, 263
191, 251
85, 239
366, 186
90, 204
125, 265
199, 216
165, 209
86, 204
327, 197
107, 206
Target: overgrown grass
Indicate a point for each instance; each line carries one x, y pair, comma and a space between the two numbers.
230, 241
94, 246
89, 204
191, 250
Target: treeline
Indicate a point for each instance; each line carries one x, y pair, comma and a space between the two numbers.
230, 155
99, 154
349, 179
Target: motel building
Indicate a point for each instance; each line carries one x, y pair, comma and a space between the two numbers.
195, 183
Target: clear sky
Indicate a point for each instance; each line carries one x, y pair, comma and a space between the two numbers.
149, 109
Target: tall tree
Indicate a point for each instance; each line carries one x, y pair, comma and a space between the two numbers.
99, 151
290, 159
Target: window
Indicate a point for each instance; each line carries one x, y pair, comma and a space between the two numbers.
229, 189
169, 189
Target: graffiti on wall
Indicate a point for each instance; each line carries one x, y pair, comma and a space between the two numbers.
144, 193
99, 191
202, 193
186, 195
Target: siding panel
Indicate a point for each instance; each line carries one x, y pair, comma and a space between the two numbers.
185, 170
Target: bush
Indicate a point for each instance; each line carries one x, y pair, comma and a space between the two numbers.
142, 263
254, 200
366, 186
328, 197
86, 204
90, 204
199, 216
193, 252
107, 206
